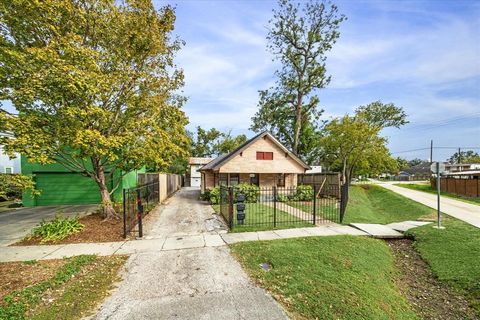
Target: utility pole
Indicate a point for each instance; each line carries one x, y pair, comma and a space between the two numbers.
459, 156
431, 151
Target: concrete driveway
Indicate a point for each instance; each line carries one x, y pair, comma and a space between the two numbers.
16, 224
194, 283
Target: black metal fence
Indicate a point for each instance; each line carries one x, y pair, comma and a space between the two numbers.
283, 207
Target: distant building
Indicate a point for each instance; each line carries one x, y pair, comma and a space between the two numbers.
459, 167
195, 175
315, 169
8, 165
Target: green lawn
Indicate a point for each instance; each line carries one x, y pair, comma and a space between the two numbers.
326, 208
453, 255
259, 217
338, 277
374, 204
428, 188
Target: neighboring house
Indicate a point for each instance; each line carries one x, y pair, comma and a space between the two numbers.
314, 170
421, 169
262, 161
59, 186
8, 165
195, 164
459, 167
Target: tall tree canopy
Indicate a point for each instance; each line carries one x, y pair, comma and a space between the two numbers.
212, 142
353, 144
300, 35
94, 83
467, 156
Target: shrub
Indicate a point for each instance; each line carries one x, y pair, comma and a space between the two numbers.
214, 195
205, 196
282, 198
250, 191
57, 229
303, 193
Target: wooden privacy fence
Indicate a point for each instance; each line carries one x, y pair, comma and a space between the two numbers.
152, 189
321, 180
462, 187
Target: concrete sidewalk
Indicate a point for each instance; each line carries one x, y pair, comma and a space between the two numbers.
469, 213
200, 240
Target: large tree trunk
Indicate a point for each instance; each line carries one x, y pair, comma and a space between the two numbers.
109, 212
298, 124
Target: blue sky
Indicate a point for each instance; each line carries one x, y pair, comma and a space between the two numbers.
421, 55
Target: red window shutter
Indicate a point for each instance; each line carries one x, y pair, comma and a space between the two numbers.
268, 156
259, 155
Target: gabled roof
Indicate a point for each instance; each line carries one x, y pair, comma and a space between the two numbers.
219, 161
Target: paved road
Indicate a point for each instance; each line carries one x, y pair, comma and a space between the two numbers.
16, 224
470, 213
197, 283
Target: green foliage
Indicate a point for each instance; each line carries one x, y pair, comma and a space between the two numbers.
354, 145
205, 196
206, 143
12, 186
57, 229
214, 195
299, 37
250, 191
17, 303
95, 85
468, 156
341, 277
303, 193
282, 198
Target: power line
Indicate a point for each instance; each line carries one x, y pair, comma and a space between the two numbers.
421, 149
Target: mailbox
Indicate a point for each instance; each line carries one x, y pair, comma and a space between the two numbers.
240, 203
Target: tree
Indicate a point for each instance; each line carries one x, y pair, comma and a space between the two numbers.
353, 144
207, 143
415, 162
299, 37
402, 164
12, 186
468, 156
94, 83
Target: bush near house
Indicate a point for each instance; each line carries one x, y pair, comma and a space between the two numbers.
250, 191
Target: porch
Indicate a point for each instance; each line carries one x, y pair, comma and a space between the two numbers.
212, 179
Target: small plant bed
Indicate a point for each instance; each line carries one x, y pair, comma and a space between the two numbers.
57, 289
89, 228
338, 277
428, 188
428, 296
374, 204
453, 255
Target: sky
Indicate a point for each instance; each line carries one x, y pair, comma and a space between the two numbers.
421, 55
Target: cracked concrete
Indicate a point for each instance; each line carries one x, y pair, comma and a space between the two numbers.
195, 283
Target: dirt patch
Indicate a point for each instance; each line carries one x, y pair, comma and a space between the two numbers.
19, 275
430, 298
95, 230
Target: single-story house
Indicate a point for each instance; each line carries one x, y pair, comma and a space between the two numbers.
195, 164
262, 161
60, 186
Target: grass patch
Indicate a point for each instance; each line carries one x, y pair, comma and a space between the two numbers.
374, 204
339, 277
428, 188
77, 286
453, 255
259, 217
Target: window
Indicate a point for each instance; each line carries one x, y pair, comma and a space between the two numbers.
234, 179
223, 179
8, 170
261, 155
281, 180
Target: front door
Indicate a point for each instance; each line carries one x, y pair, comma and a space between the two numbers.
254, 179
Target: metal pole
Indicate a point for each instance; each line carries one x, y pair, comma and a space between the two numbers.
274, 206
139, 213
124, 214
438, 195
314, 204
431, 151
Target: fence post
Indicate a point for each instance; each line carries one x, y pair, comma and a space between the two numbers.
230, 207
124, 214
314, 204
139, 213
343, 200
274, 206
